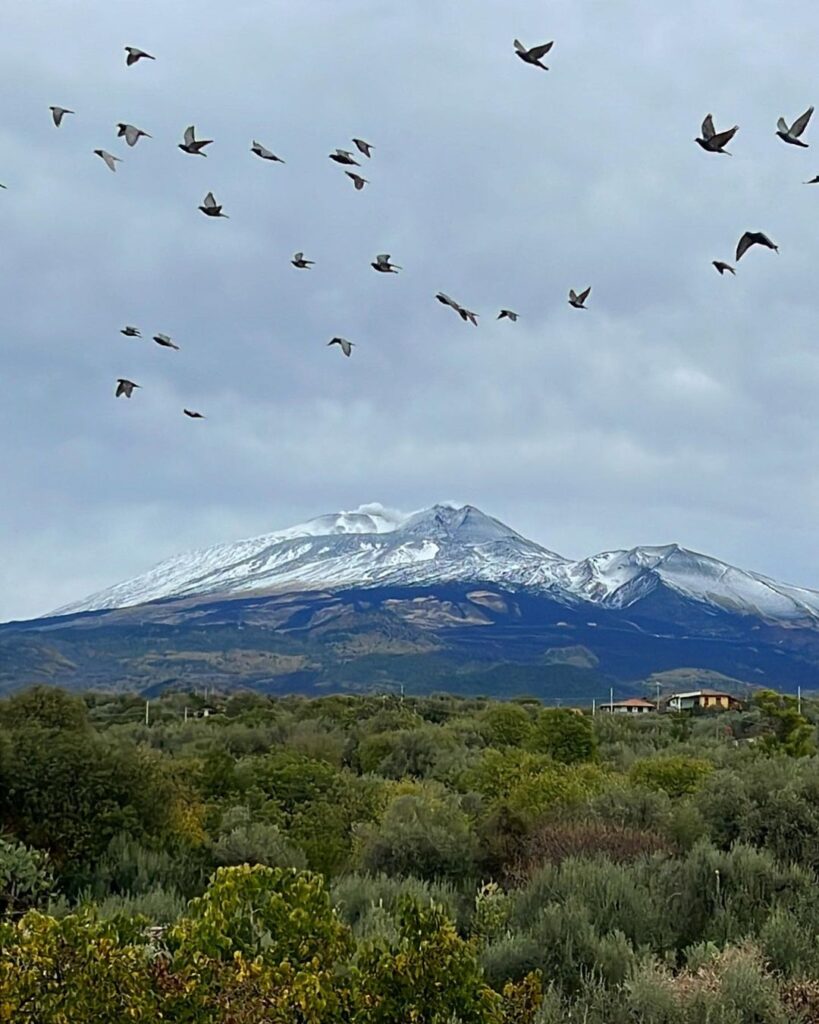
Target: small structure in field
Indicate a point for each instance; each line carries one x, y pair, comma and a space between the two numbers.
703, 700
630, 706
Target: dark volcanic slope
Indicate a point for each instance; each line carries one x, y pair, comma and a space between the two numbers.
467, 638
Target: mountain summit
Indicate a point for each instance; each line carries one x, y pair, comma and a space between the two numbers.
373, 546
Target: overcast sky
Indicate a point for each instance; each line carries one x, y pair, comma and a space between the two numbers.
681, 406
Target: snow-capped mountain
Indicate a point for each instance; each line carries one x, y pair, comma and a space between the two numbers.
373, 546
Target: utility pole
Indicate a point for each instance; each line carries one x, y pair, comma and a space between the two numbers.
594, 707
186, 713
147, 712
799, 699
657, 684
611, 700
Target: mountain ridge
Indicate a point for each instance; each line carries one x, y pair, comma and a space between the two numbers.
374, 546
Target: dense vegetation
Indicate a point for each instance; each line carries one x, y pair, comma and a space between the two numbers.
373, 859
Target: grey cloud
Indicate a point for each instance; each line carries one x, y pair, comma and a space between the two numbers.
679, 406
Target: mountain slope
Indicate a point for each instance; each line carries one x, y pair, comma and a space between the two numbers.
373, 546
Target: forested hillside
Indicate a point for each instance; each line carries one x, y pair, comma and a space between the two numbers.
352, 859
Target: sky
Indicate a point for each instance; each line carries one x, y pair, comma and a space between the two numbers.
680, 406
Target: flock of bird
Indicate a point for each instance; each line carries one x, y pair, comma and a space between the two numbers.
710, 140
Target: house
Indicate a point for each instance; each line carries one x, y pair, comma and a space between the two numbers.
630, 706
703, 700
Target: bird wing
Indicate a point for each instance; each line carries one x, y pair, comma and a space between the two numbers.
298, 256
209, 201
540, 51
744, 244
708, 130
584, 295
190, 136
782, 126
383, 258
131, 134
441, 297
763, 239
109, 159
519, 46
572, 295
801, 123
723, 138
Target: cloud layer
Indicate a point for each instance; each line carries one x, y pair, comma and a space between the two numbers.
679, 406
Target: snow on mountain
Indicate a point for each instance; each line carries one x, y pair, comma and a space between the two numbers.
373, 545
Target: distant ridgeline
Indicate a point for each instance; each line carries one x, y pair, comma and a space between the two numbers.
447, 599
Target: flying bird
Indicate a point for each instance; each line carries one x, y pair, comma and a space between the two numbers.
578, 300
346, 346
722, 267
211, 208
300, 262
165, 342
132, 134
264, 153
125, 387
508, 315
441, 297
713, 141
110, 160
192, 144
358, 181
131, 332
193, 415
753, 238
58, 113
382, 264
533, 55
342, 156
364, 147
813, 181
791, 135
2, 186
135, 54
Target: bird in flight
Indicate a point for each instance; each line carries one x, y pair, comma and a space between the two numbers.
111, 161
131, 332
578, 300
300, 262
463, 313
357, 180
753, 238
533, 55
713, 141
132, 134
343, 156
125, 387
791, 135
165, 342
364, 147
813, 181
211, 208
264, 153
722, 267
193, 415
2, 186
507, 314
135, 54
58, 113
382, 264
346, 346
193, 145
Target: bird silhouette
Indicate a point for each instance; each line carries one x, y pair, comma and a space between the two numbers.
58, 113
713, 141
193, 415
722, 267
134, 54
343, 156
300, 262
357, 180
193, 145
211, 208
753, 238
578, 300
125, 387
791, 135
507, 314
132, 134
111, 161
383, 266
346, 346
364, 147
131, 332
533, 55
165, 342
264, 153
